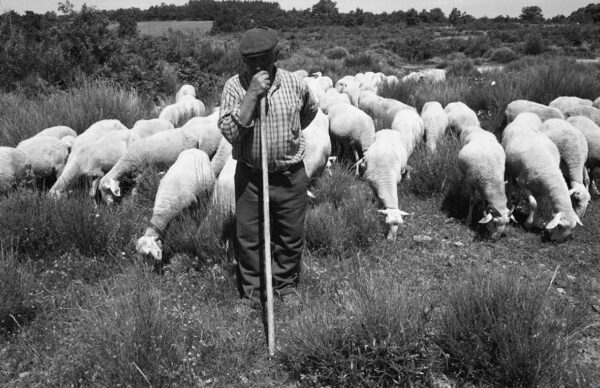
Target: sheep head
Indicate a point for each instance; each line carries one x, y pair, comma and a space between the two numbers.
149, 246
495, 221
561, 226
580, 198
393, 218
109, 187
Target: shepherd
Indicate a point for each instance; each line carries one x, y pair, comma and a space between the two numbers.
288, 108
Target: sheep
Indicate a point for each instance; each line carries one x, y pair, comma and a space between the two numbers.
161, 149
145, 128
189, 179
343, 82
582, 110
14, 168
532, 160
573, 149
331, 98
519, 106
350, 124
47, 155
58, 132
481, 161
460, 116
301, 73
596, 103
317, 145
91, 161
96, 131
435, 121
223, 197
68, 141
383, 166
221, 156
380, 108
411, 128
180, 112
352, 89
185, 90
414, 76
591, 131
563, 103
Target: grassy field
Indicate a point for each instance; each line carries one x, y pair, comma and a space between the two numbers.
443, 305
163, 27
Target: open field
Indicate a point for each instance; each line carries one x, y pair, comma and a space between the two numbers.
444, 305
155, 28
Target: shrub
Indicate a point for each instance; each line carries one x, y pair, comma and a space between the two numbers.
16, 290
376, 339
124, 336
336, 52
360, 63
534, 44
504, 329
503, 55
461, 68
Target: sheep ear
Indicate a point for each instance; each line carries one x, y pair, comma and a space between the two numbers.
578, 221
554, 222
383, 211
403, 213
513, 219
487, 217
115, 189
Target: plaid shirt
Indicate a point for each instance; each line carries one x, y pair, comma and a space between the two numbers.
290, 108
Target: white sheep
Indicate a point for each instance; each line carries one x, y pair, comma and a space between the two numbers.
331, 98
161, 150
460, 116
189, 179
91, 161
223, 197
481, 161
47, 155
185, 90
563, 103
14, 168
353, 126
58, 132
317, 145
596, 103
591, 131
180, 112
532, 161
411, 128
343, 82
301, 73
352, 89
379, 108
68, 141
573, 149
435, 121
145, 128
97, 131
582, 110
519, 106
383, 166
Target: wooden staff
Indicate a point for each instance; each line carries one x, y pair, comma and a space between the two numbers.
267, 228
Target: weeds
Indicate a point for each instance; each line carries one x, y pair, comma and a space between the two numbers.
16, 290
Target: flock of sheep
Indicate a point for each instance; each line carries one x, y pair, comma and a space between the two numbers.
545, 152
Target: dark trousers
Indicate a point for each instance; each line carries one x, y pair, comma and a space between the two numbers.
287, 200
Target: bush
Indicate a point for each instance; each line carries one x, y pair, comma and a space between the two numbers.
361, 62
336, 52
124, 336
534, 44
16, 290
376, 339
461, 68
503, 55
504, 329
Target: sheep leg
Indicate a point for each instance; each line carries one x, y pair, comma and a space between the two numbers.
356, 158
532, 207
471, 206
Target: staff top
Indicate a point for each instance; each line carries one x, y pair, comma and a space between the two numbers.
257, 41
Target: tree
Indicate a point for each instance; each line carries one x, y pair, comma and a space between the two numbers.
325, 10
411, 17
531, 14
455, 16
437, 15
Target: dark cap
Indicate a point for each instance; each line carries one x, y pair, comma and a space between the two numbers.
257, 41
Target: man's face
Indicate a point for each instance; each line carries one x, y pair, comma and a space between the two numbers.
257, 63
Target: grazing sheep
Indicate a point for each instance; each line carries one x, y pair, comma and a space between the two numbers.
565, 102
301, 73
317, 145
68, 141
185, 90
544, 112
353, 126
180, 112
435, 121
591, 131
379, 108
331, 98
411, 128
14, 168
343, 82
97, 131
47, 155
188, 180
91, 161
145, 128
573, 149
383, 167
223, 197
58, 132
582, 110
481, 161
352, 89
532, 160
161, 149
460, 116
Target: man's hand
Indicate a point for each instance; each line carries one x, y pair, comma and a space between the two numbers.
259, 84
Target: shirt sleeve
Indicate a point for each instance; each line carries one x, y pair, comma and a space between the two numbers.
229, 120
309, 108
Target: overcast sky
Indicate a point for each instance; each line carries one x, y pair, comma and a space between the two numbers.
476, 8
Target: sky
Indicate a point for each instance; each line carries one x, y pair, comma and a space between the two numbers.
477, 8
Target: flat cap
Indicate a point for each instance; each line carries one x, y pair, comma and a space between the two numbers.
257, 41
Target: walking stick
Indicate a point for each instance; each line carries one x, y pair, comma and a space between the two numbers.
267, 229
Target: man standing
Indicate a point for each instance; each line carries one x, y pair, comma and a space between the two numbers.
289, 109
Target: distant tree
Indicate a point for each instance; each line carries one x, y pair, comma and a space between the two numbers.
454, 17
411, 17
534, 44
437, 15
325, 10
127, 26
531, 14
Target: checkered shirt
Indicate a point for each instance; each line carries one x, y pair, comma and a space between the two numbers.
290, 108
